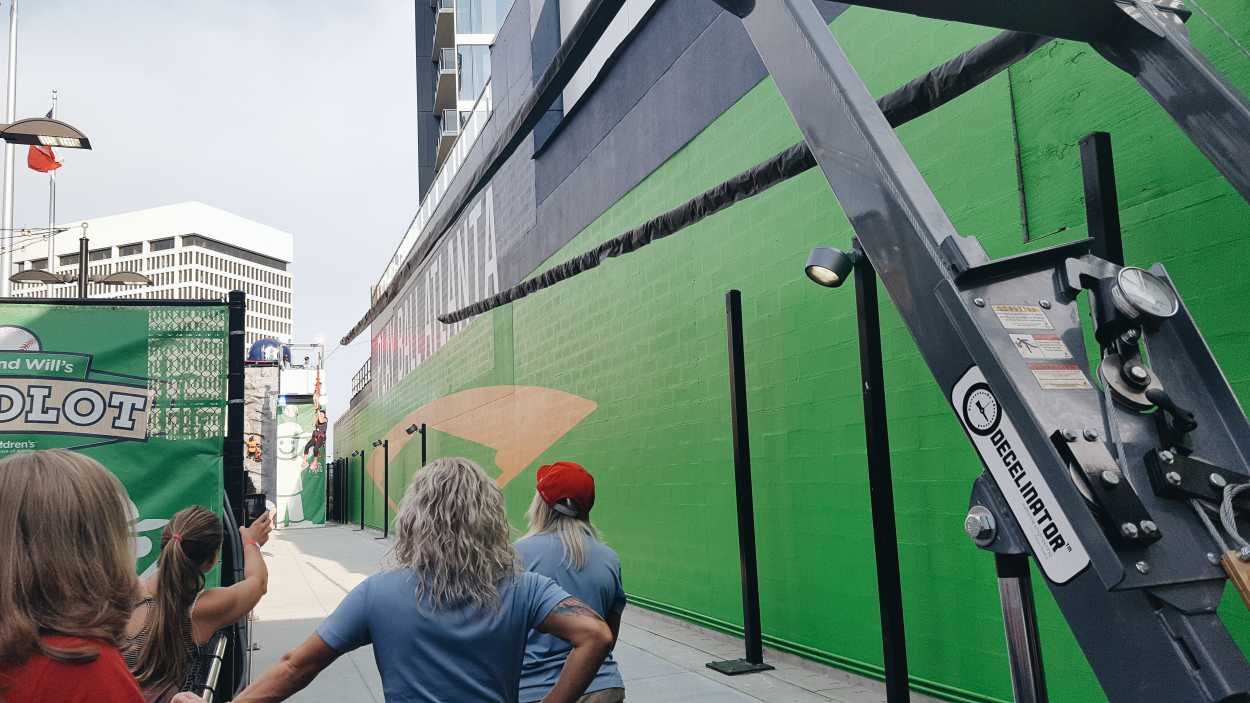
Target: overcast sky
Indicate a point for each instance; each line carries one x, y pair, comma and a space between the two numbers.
298, 114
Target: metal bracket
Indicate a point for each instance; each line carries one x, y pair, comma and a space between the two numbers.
1181, 477
1126, 520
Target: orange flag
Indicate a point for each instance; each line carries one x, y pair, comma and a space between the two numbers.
41, 159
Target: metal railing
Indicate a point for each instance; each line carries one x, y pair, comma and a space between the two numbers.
362, 377
470, 129
450, 123
216, 656
448, 60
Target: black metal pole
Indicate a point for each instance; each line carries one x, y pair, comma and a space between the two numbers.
880, 484
386, 487
362, 490
1102, 204
232, 449
1024, 648
83, 250
423, 444
754, 660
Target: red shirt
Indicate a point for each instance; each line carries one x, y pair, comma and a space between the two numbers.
40, 678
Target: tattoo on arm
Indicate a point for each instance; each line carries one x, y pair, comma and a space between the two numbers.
572, 606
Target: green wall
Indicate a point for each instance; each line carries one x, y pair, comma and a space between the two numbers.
644, 337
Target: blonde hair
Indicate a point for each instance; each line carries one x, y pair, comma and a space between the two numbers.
67, 564
453, 532
572, 531
179, 578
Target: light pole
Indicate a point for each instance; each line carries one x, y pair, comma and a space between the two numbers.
385, 444
117, 278
37, 131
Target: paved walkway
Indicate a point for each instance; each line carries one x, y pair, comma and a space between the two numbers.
663, 659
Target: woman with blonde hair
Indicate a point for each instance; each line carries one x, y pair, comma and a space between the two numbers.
563, 546
175, 617
449, 622
67, 581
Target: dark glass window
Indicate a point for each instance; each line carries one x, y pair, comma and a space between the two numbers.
39, 264
100, 254
162, 244
69, 260
130, 249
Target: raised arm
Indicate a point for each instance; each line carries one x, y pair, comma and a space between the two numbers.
579, 625
218, 607
295, 670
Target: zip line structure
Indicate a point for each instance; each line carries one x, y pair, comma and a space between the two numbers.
1107, 475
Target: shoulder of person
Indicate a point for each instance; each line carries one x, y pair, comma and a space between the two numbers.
105, 675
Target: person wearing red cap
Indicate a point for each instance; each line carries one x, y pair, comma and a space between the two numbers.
562, 545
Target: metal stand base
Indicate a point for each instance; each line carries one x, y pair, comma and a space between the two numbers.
734, 667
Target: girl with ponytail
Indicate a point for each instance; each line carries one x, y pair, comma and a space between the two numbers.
175, 617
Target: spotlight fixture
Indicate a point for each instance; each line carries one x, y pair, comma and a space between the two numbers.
377, 442
830, 267
411, 429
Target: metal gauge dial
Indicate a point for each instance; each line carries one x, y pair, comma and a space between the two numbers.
1146, 293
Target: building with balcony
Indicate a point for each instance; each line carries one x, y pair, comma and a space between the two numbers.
453, 42
189, 251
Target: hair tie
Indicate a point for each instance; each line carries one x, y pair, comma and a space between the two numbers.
177, 537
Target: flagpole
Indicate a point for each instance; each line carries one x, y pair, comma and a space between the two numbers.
52, 201
10, 116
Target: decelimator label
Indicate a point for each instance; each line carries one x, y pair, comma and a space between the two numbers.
1058, 550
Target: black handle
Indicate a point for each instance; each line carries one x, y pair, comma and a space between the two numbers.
1182, 420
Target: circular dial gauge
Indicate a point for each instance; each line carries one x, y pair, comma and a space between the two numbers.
1147, 292
981, 409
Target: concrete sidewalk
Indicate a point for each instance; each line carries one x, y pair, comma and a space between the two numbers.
663, 659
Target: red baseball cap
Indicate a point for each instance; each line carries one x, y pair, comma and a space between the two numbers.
565, 482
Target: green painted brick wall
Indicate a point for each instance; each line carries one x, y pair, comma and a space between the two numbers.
644, 338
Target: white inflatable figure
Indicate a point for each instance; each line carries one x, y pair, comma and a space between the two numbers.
142, 544
290, 485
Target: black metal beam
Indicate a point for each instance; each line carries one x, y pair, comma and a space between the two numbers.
1084, 20
1102, 205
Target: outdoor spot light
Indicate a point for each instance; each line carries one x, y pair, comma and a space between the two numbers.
377, 442
44, 131
411, 429
830, 267
123, 278
36, 276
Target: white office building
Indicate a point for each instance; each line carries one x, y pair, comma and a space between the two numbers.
189, 250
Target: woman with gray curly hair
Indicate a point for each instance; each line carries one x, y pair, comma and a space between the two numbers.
450, 621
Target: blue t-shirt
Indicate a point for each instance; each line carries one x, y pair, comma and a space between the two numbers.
598, 585
429, 656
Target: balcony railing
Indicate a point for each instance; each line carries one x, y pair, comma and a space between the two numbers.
445, 88
362, 377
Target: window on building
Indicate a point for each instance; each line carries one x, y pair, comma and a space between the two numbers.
162, 244
68, 260
480, 16
100, 254
130, 249
474, 70
41, 264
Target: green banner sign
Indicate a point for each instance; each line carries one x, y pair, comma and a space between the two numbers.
140, 389
301, 464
